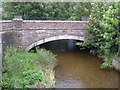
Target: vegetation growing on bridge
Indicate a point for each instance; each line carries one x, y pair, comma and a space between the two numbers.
28, 70
105, 32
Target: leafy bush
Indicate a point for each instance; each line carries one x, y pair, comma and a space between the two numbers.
104, 30
21, 69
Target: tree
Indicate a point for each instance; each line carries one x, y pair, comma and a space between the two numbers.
38, 10
46, 11
103, 27
82, 9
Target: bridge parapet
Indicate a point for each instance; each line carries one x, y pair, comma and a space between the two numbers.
19, 24
56, 25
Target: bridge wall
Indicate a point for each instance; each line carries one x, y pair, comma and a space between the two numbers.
11, 38
27, 39
29, 33
31, 38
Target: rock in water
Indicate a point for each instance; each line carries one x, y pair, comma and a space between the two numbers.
116, 64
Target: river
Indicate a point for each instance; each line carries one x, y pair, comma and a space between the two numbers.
78, 68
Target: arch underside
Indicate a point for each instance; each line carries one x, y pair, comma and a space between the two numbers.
53, 39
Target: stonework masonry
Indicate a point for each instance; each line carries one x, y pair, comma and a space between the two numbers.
27, 34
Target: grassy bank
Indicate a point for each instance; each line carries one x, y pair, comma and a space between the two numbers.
28, 70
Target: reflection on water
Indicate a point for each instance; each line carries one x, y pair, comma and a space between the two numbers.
79, 69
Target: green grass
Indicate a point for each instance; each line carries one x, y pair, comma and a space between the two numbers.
26, 70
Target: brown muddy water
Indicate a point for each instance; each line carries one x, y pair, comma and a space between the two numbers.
79, 69
82, 70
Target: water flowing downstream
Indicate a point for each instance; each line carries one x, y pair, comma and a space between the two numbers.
82, 70
79, 69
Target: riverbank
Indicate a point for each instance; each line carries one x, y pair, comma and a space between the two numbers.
28, 70
113, 62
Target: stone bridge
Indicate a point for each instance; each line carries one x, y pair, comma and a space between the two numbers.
27, 34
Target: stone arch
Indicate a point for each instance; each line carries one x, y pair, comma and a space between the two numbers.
53, 39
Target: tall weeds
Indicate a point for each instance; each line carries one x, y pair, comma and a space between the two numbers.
23, 70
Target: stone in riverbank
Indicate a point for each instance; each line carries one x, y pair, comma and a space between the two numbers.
116, 64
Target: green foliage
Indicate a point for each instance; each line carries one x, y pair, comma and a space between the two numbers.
21, 69
82, 9
31, 77
108, 60
104, 29
46, 11
37, 10
46, 59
